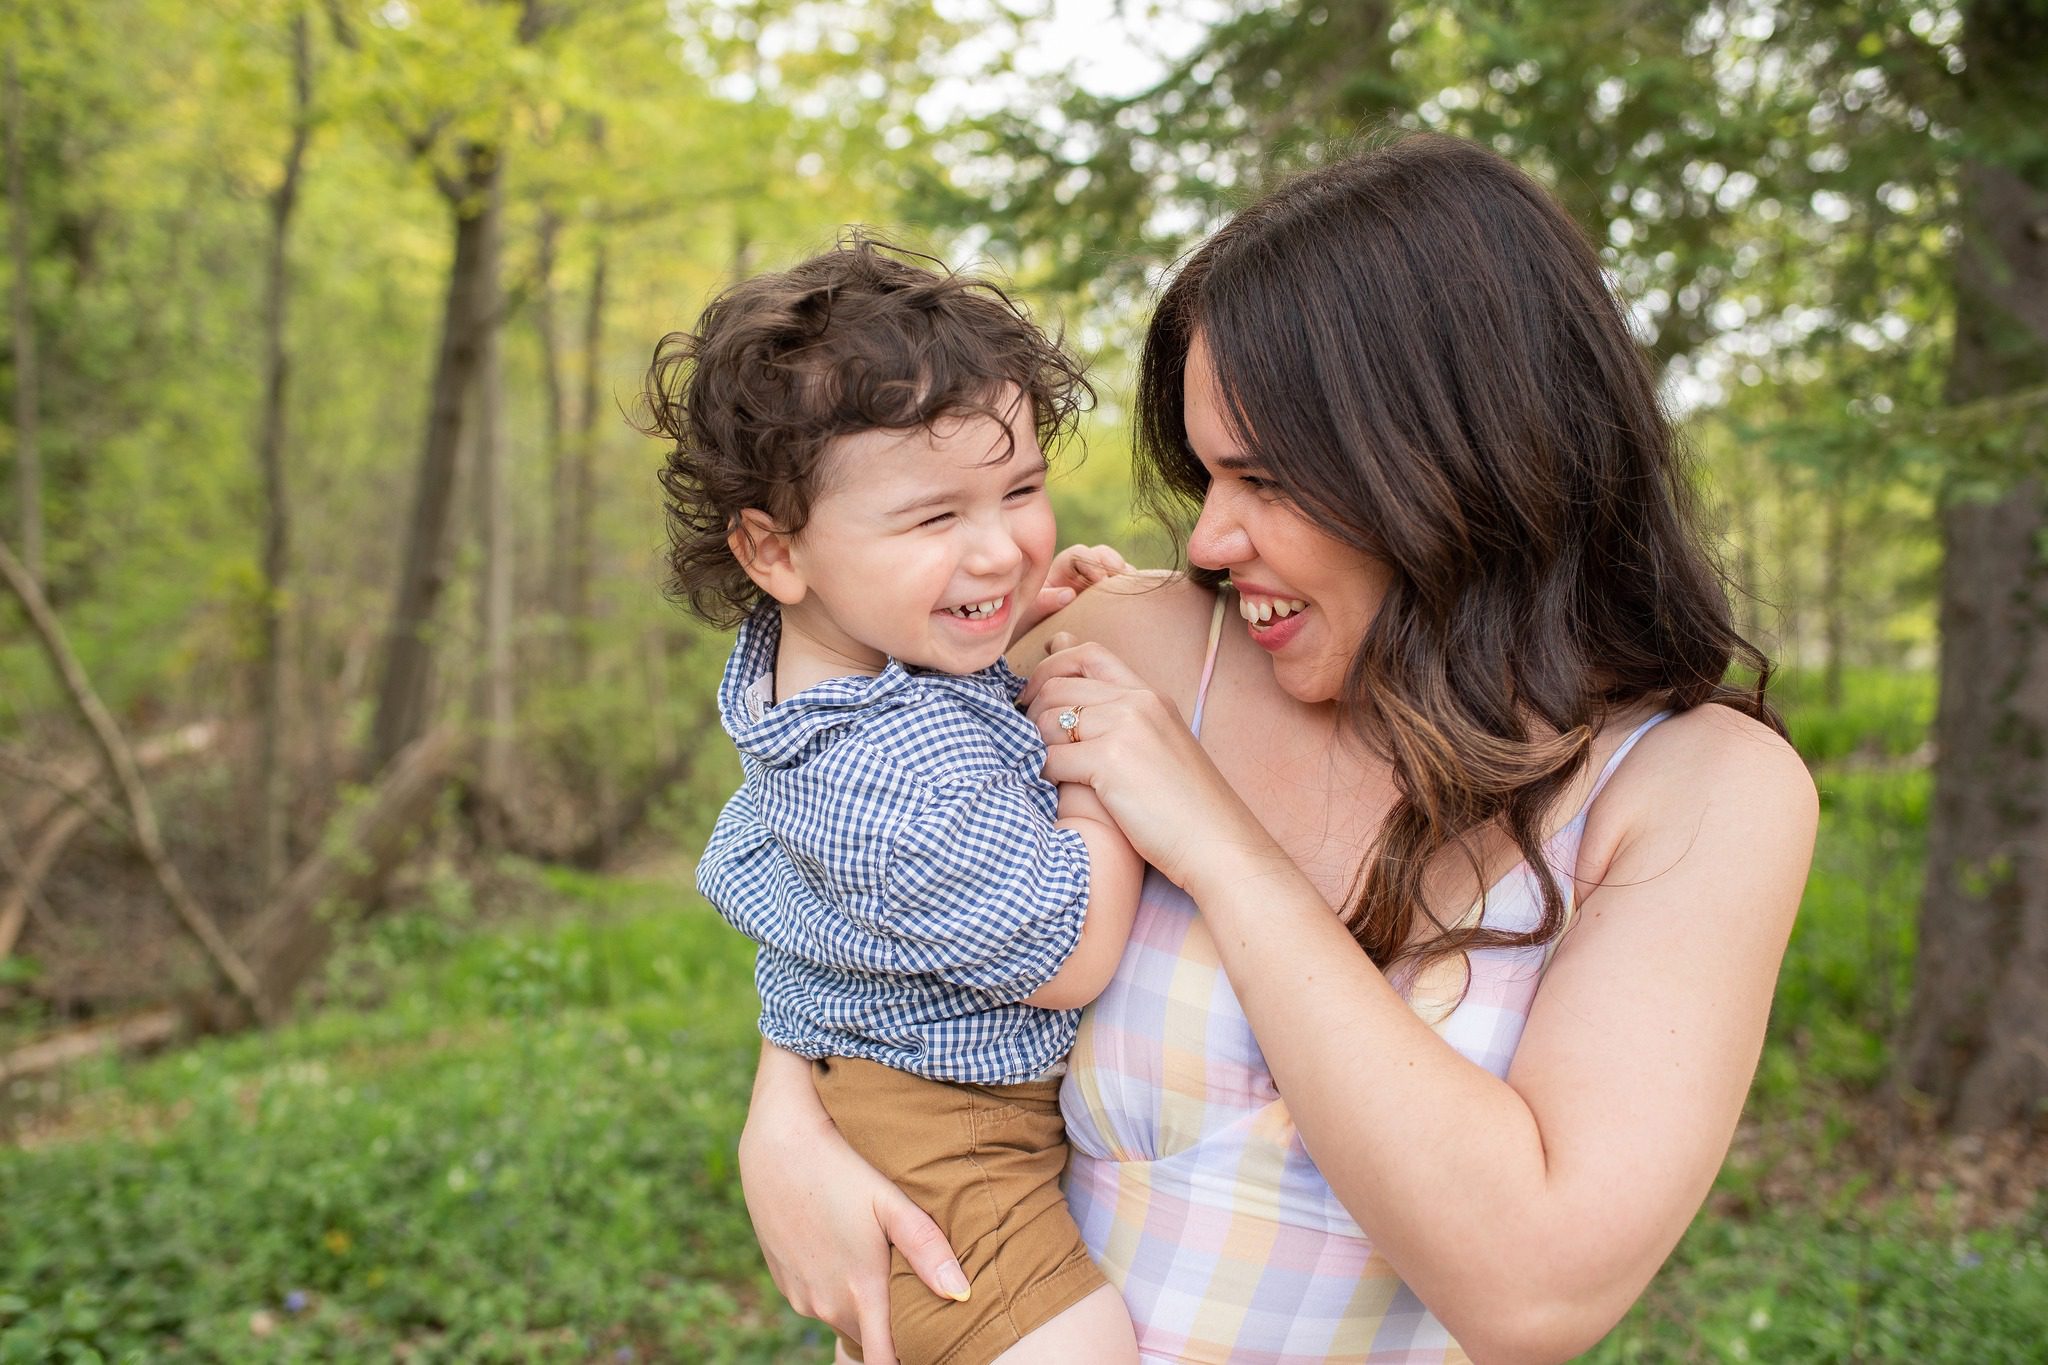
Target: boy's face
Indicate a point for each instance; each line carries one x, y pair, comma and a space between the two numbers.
914, 534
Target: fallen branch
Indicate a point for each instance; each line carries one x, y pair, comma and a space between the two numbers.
28, 871
628, 815
14, 911
294, 932
50, 844
594, 846
132, 1033
71, 779
120, 760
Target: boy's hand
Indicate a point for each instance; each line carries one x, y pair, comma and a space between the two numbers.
1073, 569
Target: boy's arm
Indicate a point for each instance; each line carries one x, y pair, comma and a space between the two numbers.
979, 887
1114, 875
1072, 571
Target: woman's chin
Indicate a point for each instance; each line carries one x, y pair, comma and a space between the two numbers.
1310, 685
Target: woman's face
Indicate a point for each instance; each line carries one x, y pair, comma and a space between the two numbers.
1306, 597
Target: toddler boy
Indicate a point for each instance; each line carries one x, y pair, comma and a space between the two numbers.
857, 482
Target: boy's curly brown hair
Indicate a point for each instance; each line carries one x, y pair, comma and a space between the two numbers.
867, 335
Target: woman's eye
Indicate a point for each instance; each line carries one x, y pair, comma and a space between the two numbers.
1026, 491
1259, 484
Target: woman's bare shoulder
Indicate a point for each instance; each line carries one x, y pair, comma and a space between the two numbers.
1708, 774
1157, 621
1723, 744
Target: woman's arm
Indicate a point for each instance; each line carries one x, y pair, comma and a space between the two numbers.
1530, 1214
1527, 1213
825, 1218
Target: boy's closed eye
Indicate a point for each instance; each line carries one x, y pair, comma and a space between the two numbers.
1021, 491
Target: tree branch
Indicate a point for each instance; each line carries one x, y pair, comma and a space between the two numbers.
120, 760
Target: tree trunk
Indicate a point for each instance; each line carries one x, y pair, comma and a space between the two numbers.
583, 477
555, 432
1749, 602
272, 797
1977, 1042
1834, 607
403, 694
28, 461
494, 598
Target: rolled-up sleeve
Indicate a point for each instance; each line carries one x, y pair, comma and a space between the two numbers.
981, 889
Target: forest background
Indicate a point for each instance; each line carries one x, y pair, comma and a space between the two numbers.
353, 1000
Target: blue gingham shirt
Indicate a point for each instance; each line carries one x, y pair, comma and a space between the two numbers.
892, 851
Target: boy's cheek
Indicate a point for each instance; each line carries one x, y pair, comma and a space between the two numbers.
1042, 544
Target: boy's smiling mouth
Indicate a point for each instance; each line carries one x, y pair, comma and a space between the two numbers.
976, 611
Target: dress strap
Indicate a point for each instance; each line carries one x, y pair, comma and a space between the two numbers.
1208, 661
1621, 752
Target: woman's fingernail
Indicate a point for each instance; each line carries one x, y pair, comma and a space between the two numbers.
1065, 595
954, 1281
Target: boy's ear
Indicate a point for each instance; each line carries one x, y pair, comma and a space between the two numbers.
763, 551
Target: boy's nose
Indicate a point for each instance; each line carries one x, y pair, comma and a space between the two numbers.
994, 552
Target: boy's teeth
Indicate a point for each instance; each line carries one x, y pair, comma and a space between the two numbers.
1261, 610
978, 611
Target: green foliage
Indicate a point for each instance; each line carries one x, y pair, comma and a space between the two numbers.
518, 1145
1849, 1271
487, 1135
526, 1154
1889, 1284
1883, 713
1843, 989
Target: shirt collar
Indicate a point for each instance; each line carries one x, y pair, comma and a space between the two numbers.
777, 734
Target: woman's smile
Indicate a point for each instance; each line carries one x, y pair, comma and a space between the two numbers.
1272, 619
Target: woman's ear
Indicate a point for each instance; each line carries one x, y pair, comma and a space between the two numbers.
763, 551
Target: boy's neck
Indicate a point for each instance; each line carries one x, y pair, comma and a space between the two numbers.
813, 650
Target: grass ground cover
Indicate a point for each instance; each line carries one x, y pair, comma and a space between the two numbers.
524, 1154
515, 1144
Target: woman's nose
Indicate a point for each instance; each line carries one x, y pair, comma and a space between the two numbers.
1217, 541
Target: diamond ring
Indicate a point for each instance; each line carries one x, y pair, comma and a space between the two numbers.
1070, 721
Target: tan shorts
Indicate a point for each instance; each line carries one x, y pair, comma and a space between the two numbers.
985, 1162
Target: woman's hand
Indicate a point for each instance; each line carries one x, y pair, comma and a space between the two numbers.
1072, 571
825, 1218
1134, 748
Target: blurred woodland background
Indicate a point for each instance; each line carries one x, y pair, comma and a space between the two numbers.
354, 1003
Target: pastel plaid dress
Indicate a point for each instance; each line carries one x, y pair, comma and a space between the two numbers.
1188, 1180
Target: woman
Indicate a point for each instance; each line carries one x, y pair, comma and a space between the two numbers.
1471, 874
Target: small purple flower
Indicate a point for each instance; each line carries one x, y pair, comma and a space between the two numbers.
624, 1355
296, 1301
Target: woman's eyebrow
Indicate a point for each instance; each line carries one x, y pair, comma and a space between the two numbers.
1237, 464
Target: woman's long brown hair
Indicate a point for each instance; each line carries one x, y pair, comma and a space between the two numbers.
1419, 346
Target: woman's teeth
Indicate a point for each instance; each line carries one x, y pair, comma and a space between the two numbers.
979, 611
1265, 609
